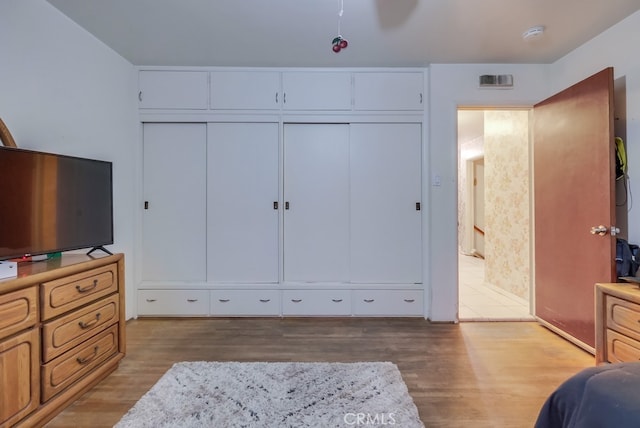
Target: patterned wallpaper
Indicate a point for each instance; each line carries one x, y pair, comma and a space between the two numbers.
507, 201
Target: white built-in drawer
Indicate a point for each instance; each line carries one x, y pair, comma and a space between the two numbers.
316, 302
173, 302
388, 303
245, 302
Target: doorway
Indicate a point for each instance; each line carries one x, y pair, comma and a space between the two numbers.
494, 215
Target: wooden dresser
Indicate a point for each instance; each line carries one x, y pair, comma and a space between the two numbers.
62, 330
617, 322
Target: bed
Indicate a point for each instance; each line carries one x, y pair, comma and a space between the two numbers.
597, 397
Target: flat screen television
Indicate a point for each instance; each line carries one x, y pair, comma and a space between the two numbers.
51, 203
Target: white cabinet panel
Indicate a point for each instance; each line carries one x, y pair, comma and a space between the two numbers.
242, 228
316, 189
245, 302
316, 90
385, 179
173, 238
316, 302
173, 89
173, 302
388, 302
388, 91
258, 90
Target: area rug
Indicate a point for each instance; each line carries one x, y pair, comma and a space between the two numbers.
235, 394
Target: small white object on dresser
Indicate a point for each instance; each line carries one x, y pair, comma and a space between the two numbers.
8, 269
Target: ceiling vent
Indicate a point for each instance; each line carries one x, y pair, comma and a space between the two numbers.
496, 81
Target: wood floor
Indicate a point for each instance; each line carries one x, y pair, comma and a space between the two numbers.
494, 375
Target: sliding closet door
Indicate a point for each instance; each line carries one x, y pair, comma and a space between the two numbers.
242, 186
316, 194
385, 180
174, 217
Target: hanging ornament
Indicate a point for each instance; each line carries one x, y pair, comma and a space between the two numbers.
339, 42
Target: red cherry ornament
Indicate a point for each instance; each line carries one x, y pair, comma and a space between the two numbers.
336, 48
343, 43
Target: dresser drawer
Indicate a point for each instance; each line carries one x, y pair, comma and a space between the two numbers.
388, 302
621, 348
316, 302
71, 292
64, 333
71, 366
18, 311
245, 302
173, 302
623, 316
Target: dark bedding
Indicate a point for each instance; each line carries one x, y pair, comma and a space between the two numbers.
596, 397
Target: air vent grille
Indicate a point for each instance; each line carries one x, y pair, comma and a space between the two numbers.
496, 81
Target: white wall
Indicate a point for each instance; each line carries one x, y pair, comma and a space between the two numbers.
451, 86
617, 48
63, 91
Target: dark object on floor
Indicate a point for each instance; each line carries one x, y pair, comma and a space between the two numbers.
602, 397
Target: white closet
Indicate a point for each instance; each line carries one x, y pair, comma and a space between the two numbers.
174, 247
242, 202
316, 194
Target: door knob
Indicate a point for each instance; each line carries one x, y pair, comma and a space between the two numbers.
599, 230
602, 230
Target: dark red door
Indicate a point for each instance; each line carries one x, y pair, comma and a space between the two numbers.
573, 155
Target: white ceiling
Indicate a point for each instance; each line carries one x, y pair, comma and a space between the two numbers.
381, 33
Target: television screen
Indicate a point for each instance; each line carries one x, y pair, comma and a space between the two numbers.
51, 203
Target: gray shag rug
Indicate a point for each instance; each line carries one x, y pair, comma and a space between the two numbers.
235, 394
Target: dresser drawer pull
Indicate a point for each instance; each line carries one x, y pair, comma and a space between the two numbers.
296, 300
89, 358
265, 300
369, 300
409, 300
88, 288
192, 300
336, 300
84, 325
150, 300
224, 300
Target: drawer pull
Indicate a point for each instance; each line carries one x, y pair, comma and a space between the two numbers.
409, 300
88, 288
150, 300
336, 300
265, 300
85, 325
89, 358
224, 300
369, 300
192, 300
296, 300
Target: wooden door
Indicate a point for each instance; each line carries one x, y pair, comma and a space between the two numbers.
316, 194
174, 218
573, 191
385, 182
242, 221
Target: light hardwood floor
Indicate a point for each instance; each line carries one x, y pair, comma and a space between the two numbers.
494, 375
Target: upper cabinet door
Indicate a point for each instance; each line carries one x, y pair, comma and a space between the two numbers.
316, 90
252, 90
388, 91
173, 90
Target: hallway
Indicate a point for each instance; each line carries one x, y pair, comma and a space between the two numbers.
483, 302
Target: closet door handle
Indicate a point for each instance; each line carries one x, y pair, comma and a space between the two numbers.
336, 300
369, 300
286, 205
275, 205
409, 300
192, 300
265, 300
224, 300
296, 300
